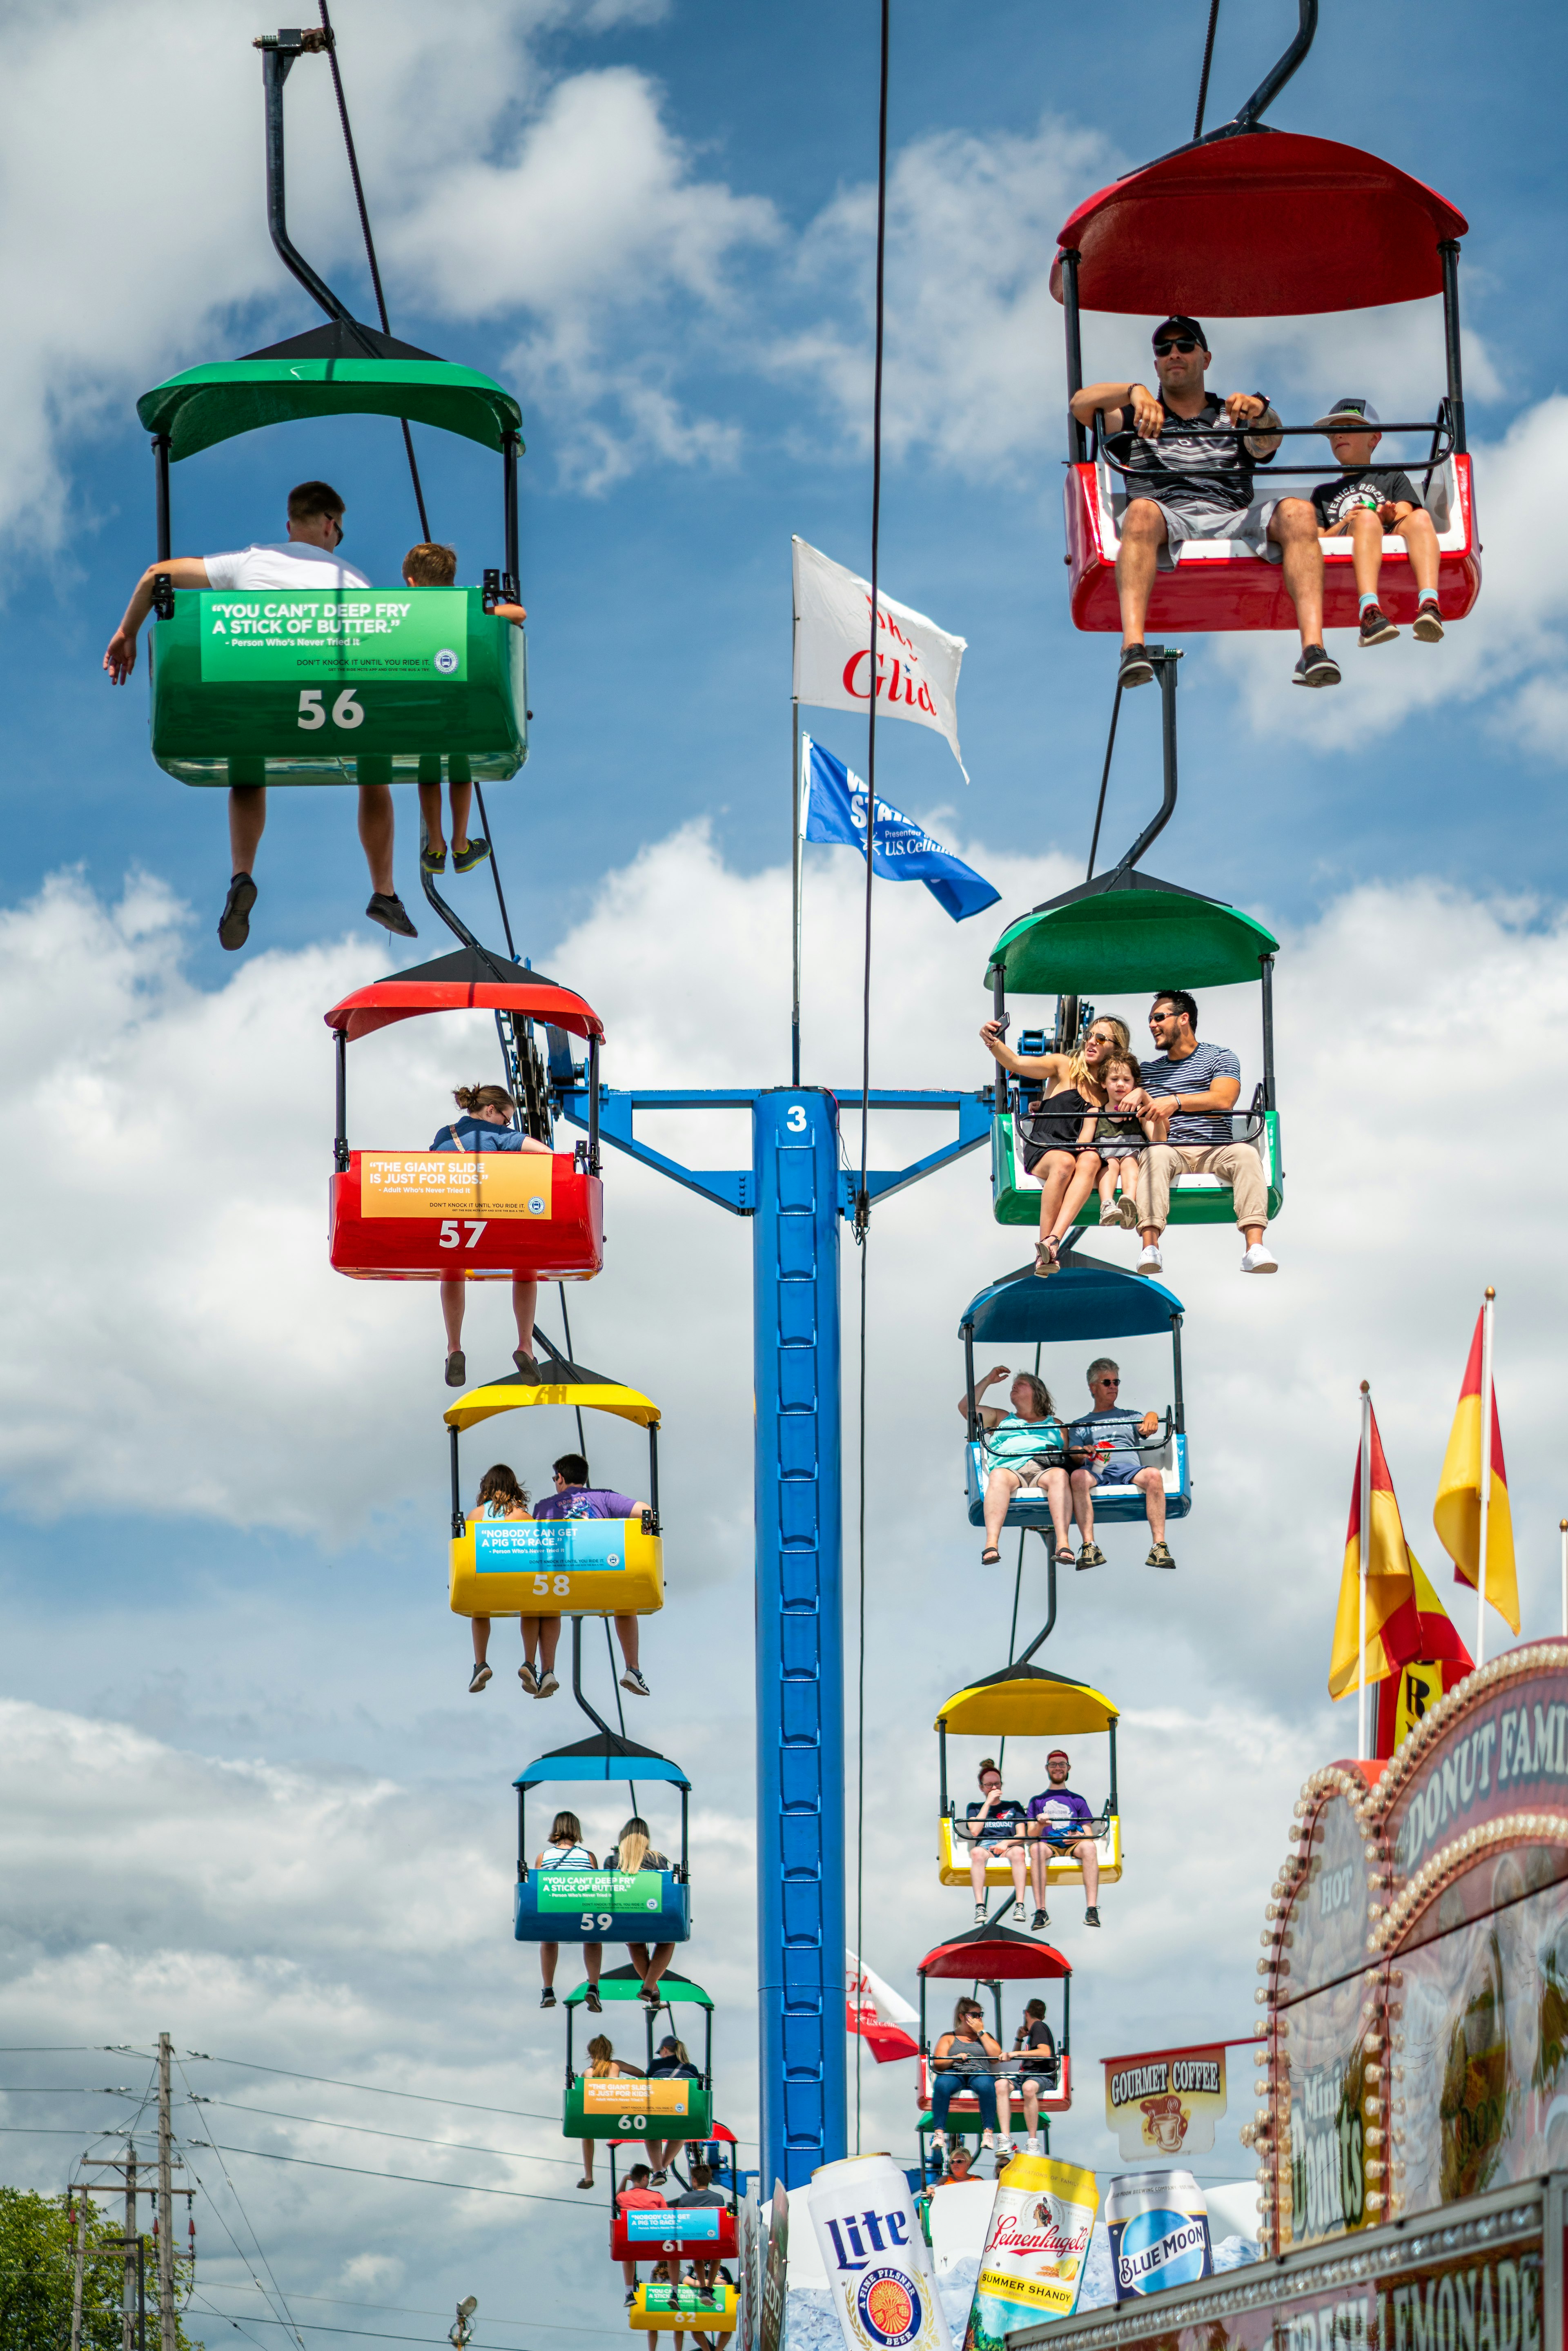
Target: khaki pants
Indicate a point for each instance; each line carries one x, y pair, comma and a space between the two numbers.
1235, 1163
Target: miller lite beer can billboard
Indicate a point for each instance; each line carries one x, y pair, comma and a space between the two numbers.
878, 2264
1036, 2248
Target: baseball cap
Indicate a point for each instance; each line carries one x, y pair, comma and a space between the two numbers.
1346, 416
1183, 327
1059, 1754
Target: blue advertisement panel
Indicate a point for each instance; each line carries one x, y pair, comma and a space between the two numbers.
530, 1546
692, 2224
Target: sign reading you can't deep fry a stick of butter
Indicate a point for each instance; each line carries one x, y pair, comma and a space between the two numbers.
455, 1184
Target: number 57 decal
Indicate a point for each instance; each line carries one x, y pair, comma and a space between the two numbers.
452, 1238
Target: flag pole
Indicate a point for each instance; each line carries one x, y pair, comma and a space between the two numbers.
1366, 1510
1486, 1475
796, 864
1562, 1531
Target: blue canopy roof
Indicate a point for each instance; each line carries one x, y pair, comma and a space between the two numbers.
604, 1757
1080, 1302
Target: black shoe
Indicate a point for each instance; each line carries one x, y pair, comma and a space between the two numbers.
631, 2296
233, 922
456, 1368
1429, 623
1038, 1921
433, 860
1316, 667
464, 861
1136, 668
1091, 1555
591, 2000
528, 1365
547, 1997
390, 913
1376, 628
481, 1674
1159, 1556
1092, 1918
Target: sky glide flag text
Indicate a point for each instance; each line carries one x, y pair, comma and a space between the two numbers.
1457, 1512
878, 2013
916, 663
832, 808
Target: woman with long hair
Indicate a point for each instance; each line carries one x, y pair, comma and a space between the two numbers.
564, 1849
603, 2065
1023, 1450
1067, 1169
488, 1123
634, 1851
501, 1497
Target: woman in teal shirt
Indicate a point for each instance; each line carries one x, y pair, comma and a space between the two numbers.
1022, 1450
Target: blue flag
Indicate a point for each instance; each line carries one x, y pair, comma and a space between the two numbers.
832, 808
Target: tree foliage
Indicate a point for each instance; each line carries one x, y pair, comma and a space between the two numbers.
37, 2271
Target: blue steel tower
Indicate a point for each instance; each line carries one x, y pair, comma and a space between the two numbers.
797, 1197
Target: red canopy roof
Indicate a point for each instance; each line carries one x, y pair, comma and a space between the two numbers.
386, 1000
1266, 224
991, 1954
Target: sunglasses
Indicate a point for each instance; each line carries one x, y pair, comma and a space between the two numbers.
1174, 343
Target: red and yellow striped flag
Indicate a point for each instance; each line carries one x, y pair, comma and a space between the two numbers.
1457, 1512
1429, 1660
1390, 1585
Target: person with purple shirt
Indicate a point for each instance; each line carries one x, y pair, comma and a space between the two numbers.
574, 1497
1061, 1822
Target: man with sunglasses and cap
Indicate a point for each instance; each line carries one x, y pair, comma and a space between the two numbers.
1363, 505
1196, 471
1061, 1822
307, 558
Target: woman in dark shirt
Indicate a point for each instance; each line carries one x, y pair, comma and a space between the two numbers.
486, 1124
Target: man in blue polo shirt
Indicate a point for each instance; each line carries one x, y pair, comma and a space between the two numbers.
1191, 1088
1103, 1443
1194, 480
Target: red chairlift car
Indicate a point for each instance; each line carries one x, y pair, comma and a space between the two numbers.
431, 1215
1253, 223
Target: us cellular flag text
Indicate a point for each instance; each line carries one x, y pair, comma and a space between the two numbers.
832, 809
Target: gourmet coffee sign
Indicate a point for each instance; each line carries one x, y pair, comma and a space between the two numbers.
1166, 2102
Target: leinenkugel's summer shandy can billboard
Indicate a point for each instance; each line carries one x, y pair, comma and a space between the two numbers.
1157, 2222
878, 2263
1036, 2247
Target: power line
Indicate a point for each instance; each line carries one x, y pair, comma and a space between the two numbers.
410, 2138
410, 2310
371, 2089
249, 2223
412, 2179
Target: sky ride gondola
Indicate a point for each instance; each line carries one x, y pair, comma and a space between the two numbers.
347, 686
1025, 1701
992, 1956
602, 1906
1083, 1304
440, 1216
688, 2308
667, 2107
1250, 222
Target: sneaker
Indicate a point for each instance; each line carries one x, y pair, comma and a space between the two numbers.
479, 1676
1316, 667
585, 2183
464, 861
1149, 1260
631, 2296
1376, 628
1159, 1556
548, 1687
1108, 1215
1127, 1212
1428, 621
1034, 2143
1136, 668
658, 2180
433, 860
633, 1680
987, 2141
979, 1914
1092, 1918
233, 922
651, 1997
529, 1677
388, 909
547, 1997
1038, 1921
456, 1368
1091, 1555
592, 2003
1259, 1259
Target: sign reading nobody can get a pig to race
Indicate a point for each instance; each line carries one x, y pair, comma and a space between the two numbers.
264, 637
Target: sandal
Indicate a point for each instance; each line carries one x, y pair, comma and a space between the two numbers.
1064, 1555
989, 1557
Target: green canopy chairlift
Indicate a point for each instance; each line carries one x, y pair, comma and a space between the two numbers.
341, 686
639, 2107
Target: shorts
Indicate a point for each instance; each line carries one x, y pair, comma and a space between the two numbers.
1202, 519
1120, 1150
1113, 1474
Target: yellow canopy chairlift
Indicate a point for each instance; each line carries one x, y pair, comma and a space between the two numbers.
555, 1567
1025, 1701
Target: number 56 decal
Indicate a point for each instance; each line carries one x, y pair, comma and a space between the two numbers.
346, 711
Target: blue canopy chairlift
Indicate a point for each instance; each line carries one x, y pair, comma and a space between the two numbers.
1126, 933
367, 686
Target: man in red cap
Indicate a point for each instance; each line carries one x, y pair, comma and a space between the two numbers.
1061, 1822
1196, 482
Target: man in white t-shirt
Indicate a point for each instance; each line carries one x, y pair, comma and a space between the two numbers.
309, 558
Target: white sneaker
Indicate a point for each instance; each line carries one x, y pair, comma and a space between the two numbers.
1034, 2143
1259, 1259
1150, 1261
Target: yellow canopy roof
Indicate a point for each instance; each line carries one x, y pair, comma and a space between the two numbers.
1028, 1703
509, 1395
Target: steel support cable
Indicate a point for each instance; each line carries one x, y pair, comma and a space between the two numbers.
1208, 61
1105, 781
245, 2216
860, 1697
369, 242
500, 898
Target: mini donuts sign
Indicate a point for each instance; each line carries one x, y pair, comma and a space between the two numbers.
1166, 2102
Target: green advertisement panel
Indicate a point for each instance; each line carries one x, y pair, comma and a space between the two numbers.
336, 632
600, 1889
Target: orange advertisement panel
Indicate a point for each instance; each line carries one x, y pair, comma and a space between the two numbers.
636, 2097
455, 1184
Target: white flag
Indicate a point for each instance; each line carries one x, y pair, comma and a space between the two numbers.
917, 663
875, 2010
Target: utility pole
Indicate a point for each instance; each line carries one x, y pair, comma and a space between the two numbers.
165, 2221
128, 2300
80, 2210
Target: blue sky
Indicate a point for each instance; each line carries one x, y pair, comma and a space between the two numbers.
248, 1796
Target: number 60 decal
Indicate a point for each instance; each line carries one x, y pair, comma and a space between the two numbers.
346, 711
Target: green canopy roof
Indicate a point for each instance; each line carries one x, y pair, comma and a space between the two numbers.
211, 403
1129, 932
625, 1983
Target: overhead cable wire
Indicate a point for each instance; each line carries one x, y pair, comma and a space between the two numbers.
860, 1699
369, 2089
245, 2216
500, 897
369, 243
409, 2139
409, 2178
413, 2310
862, 1204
